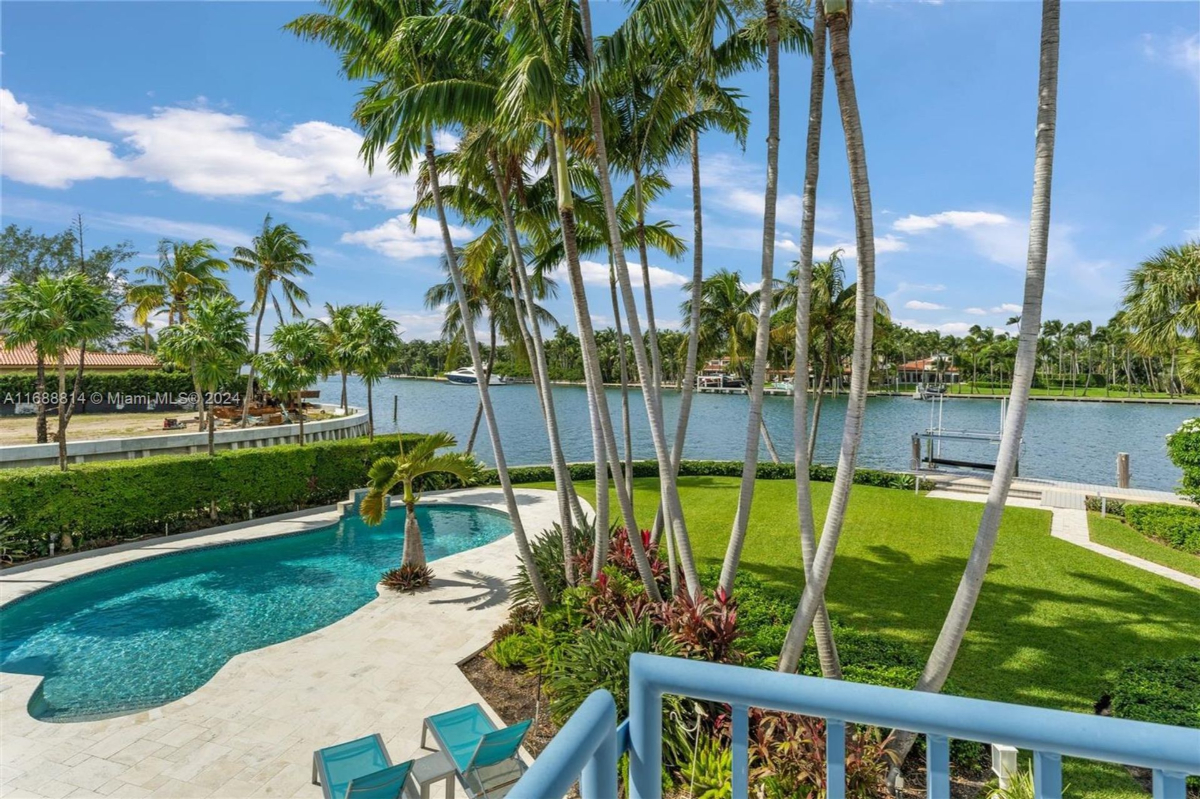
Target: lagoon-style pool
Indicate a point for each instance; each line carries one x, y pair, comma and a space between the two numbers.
146, 633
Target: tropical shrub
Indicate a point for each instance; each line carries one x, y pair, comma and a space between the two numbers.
599, 658
1175, 525
704, 628
706, 769
1184, 448
548, 557
1110, 506
408, 577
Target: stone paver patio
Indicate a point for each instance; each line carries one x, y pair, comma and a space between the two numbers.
252, 729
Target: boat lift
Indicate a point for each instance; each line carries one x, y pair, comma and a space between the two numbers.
927, 445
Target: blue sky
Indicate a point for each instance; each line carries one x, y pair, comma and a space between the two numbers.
197, 119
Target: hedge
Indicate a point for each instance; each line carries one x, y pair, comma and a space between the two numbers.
689, 468
1176, 526
109, 500
136, 382
1163, 691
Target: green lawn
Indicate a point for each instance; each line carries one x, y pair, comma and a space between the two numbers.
1092, 392
1054, 622
1112, 532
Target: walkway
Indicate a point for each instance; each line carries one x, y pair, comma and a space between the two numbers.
252, 729
1071, 525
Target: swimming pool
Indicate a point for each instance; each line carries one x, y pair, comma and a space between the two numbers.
143, 634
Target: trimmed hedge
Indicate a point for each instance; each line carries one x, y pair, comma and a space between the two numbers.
1176, 526
766, 471
137, 382
110, 500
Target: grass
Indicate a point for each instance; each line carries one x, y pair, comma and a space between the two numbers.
1112, 532
1092, 392
1053, 625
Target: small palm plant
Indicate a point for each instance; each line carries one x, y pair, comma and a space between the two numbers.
404, 469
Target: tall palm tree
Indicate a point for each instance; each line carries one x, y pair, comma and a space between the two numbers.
411, 92
404, 470
837, 16
212, 342
1162, 296
339, 341
673, 510
945, 649
277, 255
826, 646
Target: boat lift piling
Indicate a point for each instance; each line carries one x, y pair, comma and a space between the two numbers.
930, 441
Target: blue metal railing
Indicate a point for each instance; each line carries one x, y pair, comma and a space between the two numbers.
588, 746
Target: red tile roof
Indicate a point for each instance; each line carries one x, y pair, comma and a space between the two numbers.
25, 358
927, 364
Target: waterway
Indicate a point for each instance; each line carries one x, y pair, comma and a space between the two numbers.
1076, 441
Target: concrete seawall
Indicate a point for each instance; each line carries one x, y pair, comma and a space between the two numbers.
107, 449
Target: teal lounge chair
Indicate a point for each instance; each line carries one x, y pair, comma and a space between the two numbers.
361, 769
487, 760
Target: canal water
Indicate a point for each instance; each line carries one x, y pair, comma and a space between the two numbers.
1076, 441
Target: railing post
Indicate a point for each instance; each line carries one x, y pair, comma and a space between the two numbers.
741, 751
937, 767
1169, 784
1047, 775
599, 777
835, 759
645, 736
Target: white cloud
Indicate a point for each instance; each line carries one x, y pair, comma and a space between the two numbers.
1179, 50
36, 154
201, 151
945, 328
59, 214
426, 325
883, 244
596, 274
1007, 307
975, 311
445, 141
396, 239
959, 220
1154, 231
922, 305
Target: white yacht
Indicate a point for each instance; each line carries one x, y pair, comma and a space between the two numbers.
466, 377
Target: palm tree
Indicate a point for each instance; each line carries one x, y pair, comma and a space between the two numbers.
276, 255
212, 342
941, 659
1162, 297
410, 92
673, 510
728, 319
299, 356
803, 282
54, 314
837, 16
376, 339
340, 343
404, 470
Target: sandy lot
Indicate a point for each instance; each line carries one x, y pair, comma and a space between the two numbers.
20, 429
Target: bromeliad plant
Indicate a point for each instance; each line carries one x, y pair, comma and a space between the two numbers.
405, 469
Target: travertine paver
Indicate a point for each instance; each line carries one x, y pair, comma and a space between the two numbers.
251, 730
1071, 524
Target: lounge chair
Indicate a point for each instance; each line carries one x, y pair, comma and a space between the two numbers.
361, 769
487, 759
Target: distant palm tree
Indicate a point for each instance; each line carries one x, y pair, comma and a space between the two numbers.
376, 340
404, 470
212, 342
340, 342
277, 255
299, 356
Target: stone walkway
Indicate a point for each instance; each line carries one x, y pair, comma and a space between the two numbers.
1071, 524
252, 729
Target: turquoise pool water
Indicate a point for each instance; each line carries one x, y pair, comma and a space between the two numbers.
144, 634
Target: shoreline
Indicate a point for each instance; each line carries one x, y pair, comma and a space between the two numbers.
1034, 397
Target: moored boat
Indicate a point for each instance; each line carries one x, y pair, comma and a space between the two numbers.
466, 376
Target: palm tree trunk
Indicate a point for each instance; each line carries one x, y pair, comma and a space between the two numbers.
414, 546
593, 378
299, 414
624, 366
77, 390
568, 500
827, 654
668, 486
941, 659
762, 338
61, 435
768, 443
262, 309
40, 387
643, 257
817, 402
212, 435
860, 363
688, 385
345, 402
600, 464
370, 411
490, 365
514, 513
